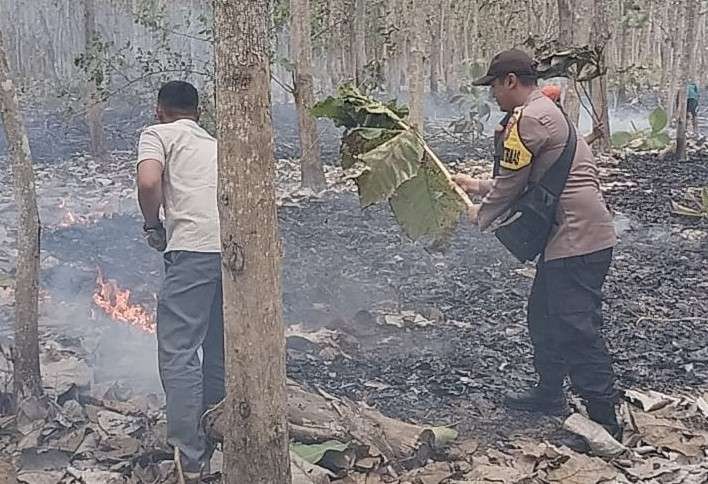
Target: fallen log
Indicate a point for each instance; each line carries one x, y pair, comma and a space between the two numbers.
319, 417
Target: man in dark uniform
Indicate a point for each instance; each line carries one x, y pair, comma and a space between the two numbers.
565, 305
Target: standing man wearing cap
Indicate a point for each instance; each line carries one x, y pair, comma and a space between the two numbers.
565, 304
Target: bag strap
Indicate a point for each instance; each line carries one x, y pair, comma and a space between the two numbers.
499, 145
556, 176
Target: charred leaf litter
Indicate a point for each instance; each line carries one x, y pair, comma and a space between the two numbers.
421, 335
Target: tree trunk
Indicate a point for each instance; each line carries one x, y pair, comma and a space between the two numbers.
311, 172
94, 114
435, 49
565, 37
256, 444
333, 57
359, 37
415, 68
674, 21
622, 88
26, 377
686, 63
600, 39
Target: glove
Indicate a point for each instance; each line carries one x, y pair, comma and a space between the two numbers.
155, 236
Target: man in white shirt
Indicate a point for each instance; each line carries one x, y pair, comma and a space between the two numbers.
177, 170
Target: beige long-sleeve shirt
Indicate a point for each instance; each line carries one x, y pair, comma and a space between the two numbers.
534, 139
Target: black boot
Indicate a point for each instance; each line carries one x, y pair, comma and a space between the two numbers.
604, 414
541, 398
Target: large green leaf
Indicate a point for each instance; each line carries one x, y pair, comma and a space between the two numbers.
620, 139
662, 138
350, 108
658, 120
313, 453
426, 206
391, 164
362, 140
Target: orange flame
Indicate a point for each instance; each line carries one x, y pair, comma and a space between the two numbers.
70, 218
115, 302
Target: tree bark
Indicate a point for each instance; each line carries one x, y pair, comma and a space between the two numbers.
435, 48
311, 172
686, 63
359, 37
256, 444
571, 101
600, 39
27, 378
622, 88
674, 21
416, 74
94, 113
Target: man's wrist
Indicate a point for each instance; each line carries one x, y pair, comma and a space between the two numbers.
149, 225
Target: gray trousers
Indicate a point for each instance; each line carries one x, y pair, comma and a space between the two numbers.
189, 317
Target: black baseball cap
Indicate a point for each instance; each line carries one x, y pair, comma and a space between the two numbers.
510, 61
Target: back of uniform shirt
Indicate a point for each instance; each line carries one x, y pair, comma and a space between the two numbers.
189, 183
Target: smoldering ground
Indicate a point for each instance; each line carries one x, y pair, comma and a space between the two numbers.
344, 268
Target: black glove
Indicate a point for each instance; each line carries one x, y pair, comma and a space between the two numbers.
155, 236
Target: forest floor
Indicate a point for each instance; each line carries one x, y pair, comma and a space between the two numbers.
423, 336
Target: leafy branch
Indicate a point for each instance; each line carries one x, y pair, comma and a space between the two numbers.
390, 161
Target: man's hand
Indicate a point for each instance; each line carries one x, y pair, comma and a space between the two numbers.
467, 183
155, 236
473, 213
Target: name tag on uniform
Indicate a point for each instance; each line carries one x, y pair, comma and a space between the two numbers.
515, 156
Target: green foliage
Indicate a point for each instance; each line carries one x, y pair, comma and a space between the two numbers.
700, 212
390, 164
389, 160
314, 453
352, 109
471, 102
654, 138
425, 206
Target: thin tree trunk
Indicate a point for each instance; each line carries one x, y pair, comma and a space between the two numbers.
675, 29
622, 89
334, 45
311, 172
565, 36
359, 37
601, 37
27, 378
415, 67
94, 114
435, 49
256, 441
686, 62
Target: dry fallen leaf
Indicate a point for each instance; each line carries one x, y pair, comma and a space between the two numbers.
583, 469
650, 400
669, 434
599, 440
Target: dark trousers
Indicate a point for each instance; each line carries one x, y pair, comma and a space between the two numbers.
565, 317
190, 317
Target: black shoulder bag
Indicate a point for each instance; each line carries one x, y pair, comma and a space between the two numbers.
525, 229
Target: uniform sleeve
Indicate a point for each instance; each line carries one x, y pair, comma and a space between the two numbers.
524, 140
150, 147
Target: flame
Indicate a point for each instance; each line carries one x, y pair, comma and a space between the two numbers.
115, 302
70, 218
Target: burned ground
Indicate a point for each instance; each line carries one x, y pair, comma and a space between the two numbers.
343, 266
